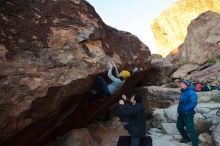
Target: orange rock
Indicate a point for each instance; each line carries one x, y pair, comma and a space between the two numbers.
170, 28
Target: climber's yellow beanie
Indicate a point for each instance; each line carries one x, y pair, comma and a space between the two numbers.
125, 74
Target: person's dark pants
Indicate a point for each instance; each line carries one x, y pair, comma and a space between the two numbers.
101, 88
135, 141
188, 123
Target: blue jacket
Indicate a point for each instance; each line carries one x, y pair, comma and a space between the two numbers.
187, 101
136, 117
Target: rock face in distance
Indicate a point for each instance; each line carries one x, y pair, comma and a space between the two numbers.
161, 69
208, 75
199, 54
202, 40
163, 65
50, 53
160, 97
183, 71
170, 28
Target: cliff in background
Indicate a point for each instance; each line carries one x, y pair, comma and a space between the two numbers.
50, 53
199, 55
170, 28
202, 41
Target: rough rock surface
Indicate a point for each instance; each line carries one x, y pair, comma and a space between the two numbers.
209, 96
183, 71
203, 39
206, 139
96, 134
170, 28
107, 133
160, 97
163, 65
50, 53
161, 69
216, 128
208, 75
205, 117
78, 137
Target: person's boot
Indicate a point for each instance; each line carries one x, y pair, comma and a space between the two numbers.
184, 140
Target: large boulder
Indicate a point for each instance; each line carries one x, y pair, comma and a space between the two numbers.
202, 40
51, 52
170, 28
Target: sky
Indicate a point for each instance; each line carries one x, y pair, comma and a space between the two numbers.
134, 16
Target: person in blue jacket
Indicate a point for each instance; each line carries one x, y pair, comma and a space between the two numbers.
187, 104
136, 126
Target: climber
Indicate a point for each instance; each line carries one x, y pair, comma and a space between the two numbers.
100, 88
185, 122
136, 126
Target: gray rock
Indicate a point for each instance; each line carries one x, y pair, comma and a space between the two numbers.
158, 118
218, 113
171, 113
164, 65
201, 123
183, 71
169, 128
216, 134
211, 106
208, 96
77, 137
161, 97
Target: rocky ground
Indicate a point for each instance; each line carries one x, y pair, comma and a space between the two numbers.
206, 120
162, 127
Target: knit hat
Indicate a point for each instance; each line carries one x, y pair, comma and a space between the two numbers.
187, 82
125, 74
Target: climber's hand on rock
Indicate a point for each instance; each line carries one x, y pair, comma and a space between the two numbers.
109, 65
121, 102
114, 66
